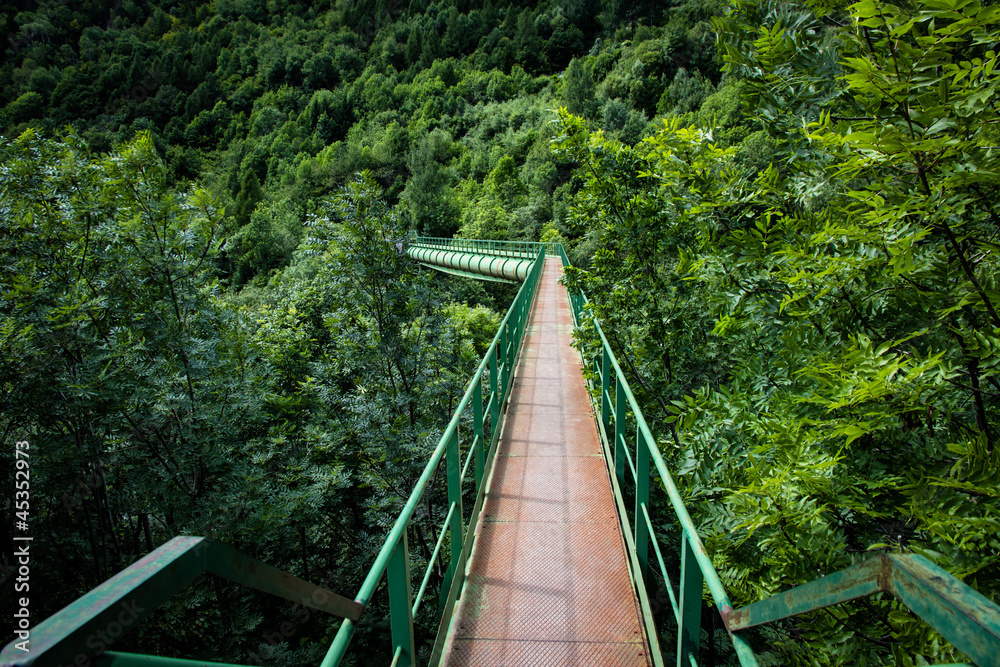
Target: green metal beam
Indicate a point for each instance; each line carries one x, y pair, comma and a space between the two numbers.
90, 625
115, 659
857, 581
966, 618
228, 563
471, 264
969, 620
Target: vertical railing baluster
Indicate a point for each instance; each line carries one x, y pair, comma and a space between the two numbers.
642, 457
495, 389
479, 432
401, 602
505, 358
605, 387
453, 461
619, 434
689, 624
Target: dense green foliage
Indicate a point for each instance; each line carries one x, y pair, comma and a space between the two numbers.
807, 300
290, 422
271, 105
208, 328
204, 328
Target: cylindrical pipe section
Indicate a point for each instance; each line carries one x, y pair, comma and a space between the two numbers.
510, 268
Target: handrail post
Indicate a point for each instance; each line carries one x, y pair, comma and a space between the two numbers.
401, 602
495, 390
689, 624
515, 337
505, 361
620, 410
478, 431
453, 461
605, 386
641, 498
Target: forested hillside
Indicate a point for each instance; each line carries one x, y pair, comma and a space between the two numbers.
784, 213
203, 331
277, 104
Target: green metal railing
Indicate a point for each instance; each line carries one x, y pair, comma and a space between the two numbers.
393, 561
80, 633
523, 249
964, 617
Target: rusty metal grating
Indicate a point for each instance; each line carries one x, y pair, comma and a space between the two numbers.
538, 391
548, 583
546, 489
547, 654
555, 582
542, 433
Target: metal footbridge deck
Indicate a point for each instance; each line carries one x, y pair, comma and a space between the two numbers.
549, 582
551, 540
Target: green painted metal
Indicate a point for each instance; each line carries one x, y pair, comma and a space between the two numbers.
621, 451
470, 274
689, 623
434, 556
966, 618
473, 265
642, 531
479, 434
523, 249
93, 622
861, 580
398, 573
455, 528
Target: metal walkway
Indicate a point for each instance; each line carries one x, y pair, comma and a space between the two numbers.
548, 582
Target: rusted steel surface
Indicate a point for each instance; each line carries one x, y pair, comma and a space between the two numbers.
860, 580
965, 617
548, 584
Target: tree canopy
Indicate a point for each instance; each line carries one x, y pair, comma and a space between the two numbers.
784, 214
